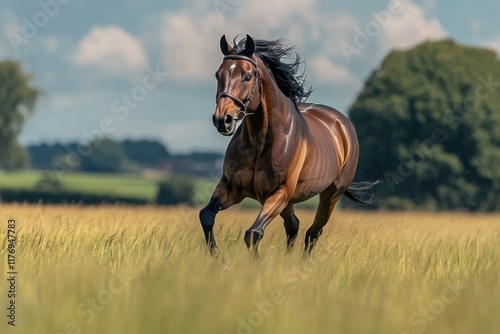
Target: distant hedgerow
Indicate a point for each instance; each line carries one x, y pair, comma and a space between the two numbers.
176, 190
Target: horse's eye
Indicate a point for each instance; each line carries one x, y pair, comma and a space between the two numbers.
248, 78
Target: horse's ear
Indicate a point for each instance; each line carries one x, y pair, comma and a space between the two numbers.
249, 45
224, 46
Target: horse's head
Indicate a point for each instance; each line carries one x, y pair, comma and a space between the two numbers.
237, 80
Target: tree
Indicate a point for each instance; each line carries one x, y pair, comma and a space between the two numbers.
17, 101
49, 182
175, 190
428, 122
106, 156
150, 153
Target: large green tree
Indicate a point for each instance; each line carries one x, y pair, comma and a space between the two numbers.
17, 100
428, 122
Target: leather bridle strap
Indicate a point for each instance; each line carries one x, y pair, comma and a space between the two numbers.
241, 57
243, 105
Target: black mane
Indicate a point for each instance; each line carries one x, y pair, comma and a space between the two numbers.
288, 76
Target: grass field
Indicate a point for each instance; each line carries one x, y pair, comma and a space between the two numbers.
116, 269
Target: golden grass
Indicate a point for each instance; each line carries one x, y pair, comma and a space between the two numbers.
116, 269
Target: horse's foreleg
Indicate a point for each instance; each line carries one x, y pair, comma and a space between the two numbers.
207, 220
271, 208
221, 199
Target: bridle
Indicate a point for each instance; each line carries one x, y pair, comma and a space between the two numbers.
243, 105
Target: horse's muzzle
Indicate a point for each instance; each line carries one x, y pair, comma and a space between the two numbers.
225, 125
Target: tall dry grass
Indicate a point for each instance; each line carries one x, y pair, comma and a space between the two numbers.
116, 269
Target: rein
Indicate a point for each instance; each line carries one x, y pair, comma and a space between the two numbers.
243, 105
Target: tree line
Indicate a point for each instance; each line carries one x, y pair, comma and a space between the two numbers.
111, 156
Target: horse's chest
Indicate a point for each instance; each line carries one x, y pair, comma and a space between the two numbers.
267, 177
258, 179
264, 183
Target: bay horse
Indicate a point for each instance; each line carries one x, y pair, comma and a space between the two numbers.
285, 151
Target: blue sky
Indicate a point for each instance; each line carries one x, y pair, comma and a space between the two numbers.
93, 59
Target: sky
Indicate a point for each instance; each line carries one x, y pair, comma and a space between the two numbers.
145, 70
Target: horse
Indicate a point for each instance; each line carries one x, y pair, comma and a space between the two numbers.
285, 150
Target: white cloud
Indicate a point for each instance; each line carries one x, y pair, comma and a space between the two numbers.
475, 27
64, 101
9, 24
344, 22
410, 28
50, 43
336, 31
494, 44
326, 71
265, 15
190, 38
189, 45
111, 49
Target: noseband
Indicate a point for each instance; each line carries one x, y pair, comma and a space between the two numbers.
243, 105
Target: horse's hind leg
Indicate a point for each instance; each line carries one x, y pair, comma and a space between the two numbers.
291, 223
326, 205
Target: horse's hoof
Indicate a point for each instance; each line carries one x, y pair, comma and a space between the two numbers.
252, 237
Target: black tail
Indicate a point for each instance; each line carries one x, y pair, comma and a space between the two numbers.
359, 192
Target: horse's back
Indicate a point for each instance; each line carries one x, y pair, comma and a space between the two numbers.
332, 150
323, 113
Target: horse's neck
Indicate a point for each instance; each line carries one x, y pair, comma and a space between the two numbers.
272, 118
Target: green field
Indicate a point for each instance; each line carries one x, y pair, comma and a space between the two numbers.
119, 269
127, 185
140, 186
133, 185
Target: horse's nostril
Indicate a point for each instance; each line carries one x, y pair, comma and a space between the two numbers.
228, 119
214, 120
